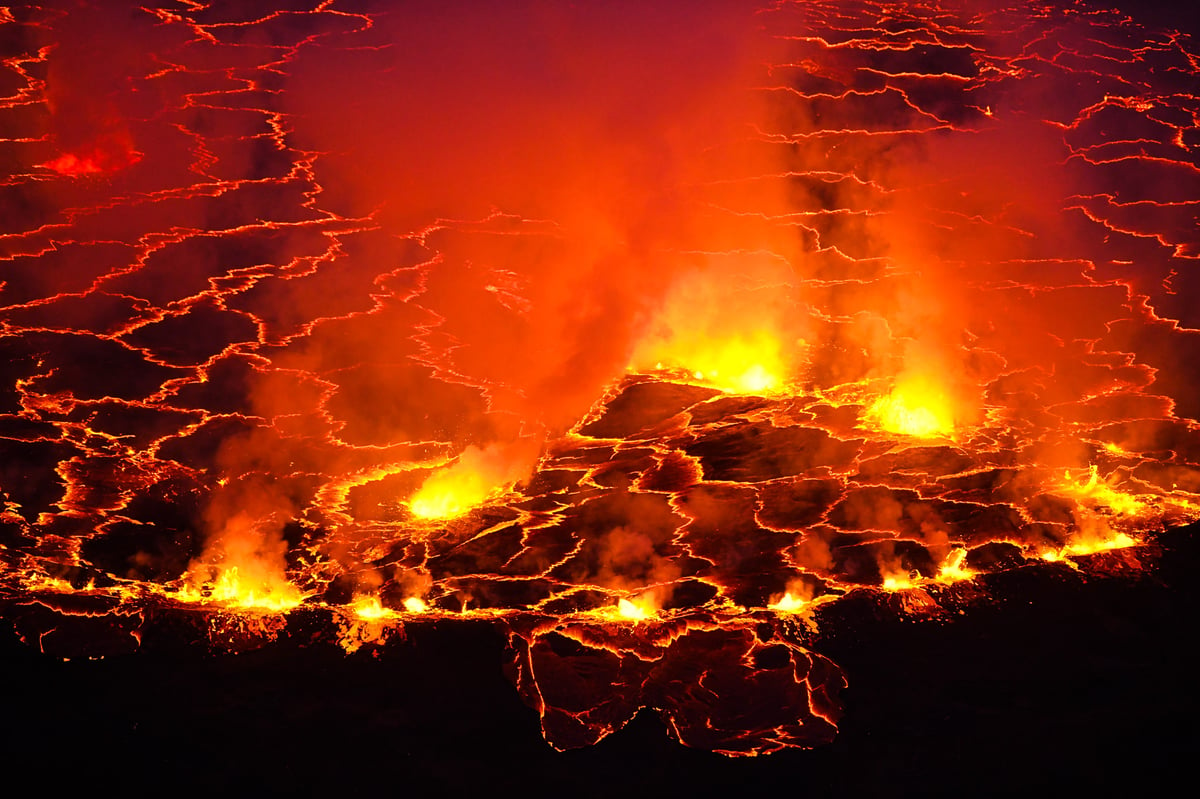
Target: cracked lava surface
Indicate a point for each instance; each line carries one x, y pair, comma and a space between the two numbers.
647, 343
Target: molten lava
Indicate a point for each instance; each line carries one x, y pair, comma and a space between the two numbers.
915, 407
99, 160
633, 610
74, 165
953, 569
477, 476
737, 365
663, 349
414, 604
788, 603
450, 493
242, 568
250, 590
1095, 492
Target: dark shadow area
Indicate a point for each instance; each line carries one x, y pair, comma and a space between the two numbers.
1053, 682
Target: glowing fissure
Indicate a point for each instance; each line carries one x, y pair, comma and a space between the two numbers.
648, 380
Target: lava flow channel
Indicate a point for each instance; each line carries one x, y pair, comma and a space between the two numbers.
646, 343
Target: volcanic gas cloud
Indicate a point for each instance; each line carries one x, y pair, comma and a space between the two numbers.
645, 332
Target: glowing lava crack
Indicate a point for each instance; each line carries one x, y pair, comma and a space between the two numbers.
352, 317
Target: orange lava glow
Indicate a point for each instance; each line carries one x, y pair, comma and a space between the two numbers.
242, 568
1097, 492
634, 610
1091, 545
98, 160
450, 493
370, 608
788, 603
729, 334
915, 407
414, 604
477, 476
74, 165
647, 339
736, 365
899, 581
248, 588
953, 569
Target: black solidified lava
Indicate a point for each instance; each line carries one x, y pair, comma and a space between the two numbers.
1054, 683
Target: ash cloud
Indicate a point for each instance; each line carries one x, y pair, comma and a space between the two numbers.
973, 264
549, 158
